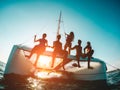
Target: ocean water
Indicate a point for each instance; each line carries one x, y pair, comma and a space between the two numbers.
31, 83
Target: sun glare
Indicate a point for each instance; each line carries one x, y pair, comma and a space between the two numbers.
44, 61
45, 74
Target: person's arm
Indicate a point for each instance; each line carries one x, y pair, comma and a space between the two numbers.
66, 34
73, 48
46, 44
52, 46
35, 40
85, 49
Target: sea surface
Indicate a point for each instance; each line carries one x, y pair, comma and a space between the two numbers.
31, 83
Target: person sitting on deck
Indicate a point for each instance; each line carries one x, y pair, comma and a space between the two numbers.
40, 48
57, 45
78, 51
88, 52
69, 39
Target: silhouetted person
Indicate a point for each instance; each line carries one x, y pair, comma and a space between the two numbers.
69, 39
88, 52
78, 51
40, 48
57, 45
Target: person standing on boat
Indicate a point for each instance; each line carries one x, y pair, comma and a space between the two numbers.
57, 45
88, 52
78, 51
40, 48
69, 39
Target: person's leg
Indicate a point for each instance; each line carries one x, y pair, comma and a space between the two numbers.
65, 54
32, 51
39, 51
69, 49
65, 46
53, 59
88, 62
78, 57
37, 57
91, 53
89, 58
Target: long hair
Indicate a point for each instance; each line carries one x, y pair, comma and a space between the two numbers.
72, 36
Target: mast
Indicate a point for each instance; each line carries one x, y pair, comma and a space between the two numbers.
59, 21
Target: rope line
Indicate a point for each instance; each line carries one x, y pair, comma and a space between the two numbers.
33, 36
92, 74
112, 66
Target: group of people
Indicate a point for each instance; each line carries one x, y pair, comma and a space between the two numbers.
88, 52
57, 49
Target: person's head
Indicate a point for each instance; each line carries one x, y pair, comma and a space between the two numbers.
88, 43
72, 36
44, 35
79, 41
71, 33
59, 37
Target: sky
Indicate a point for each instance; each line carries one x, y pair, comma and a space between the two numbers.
97, 21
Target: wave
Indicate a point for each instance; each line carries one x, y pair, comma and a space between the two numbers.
113, 79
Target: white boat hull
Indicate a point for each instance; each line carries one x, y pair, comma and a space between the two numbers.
19, 64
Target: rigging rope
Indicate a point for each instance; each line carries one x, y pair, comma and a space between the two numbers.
112, 66
93, 73
32, 36
25, 41
64, 27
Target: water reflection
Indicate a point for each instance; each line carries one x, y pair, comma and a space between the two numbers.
36, 84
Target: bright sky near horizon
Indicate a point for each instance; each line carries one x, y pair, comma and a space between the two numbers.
97, 21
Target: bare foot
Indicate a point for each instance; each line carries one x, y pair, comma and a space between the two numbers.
90, 67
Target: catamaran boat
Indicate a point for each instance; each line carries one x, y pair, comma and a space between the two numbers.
19, 64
